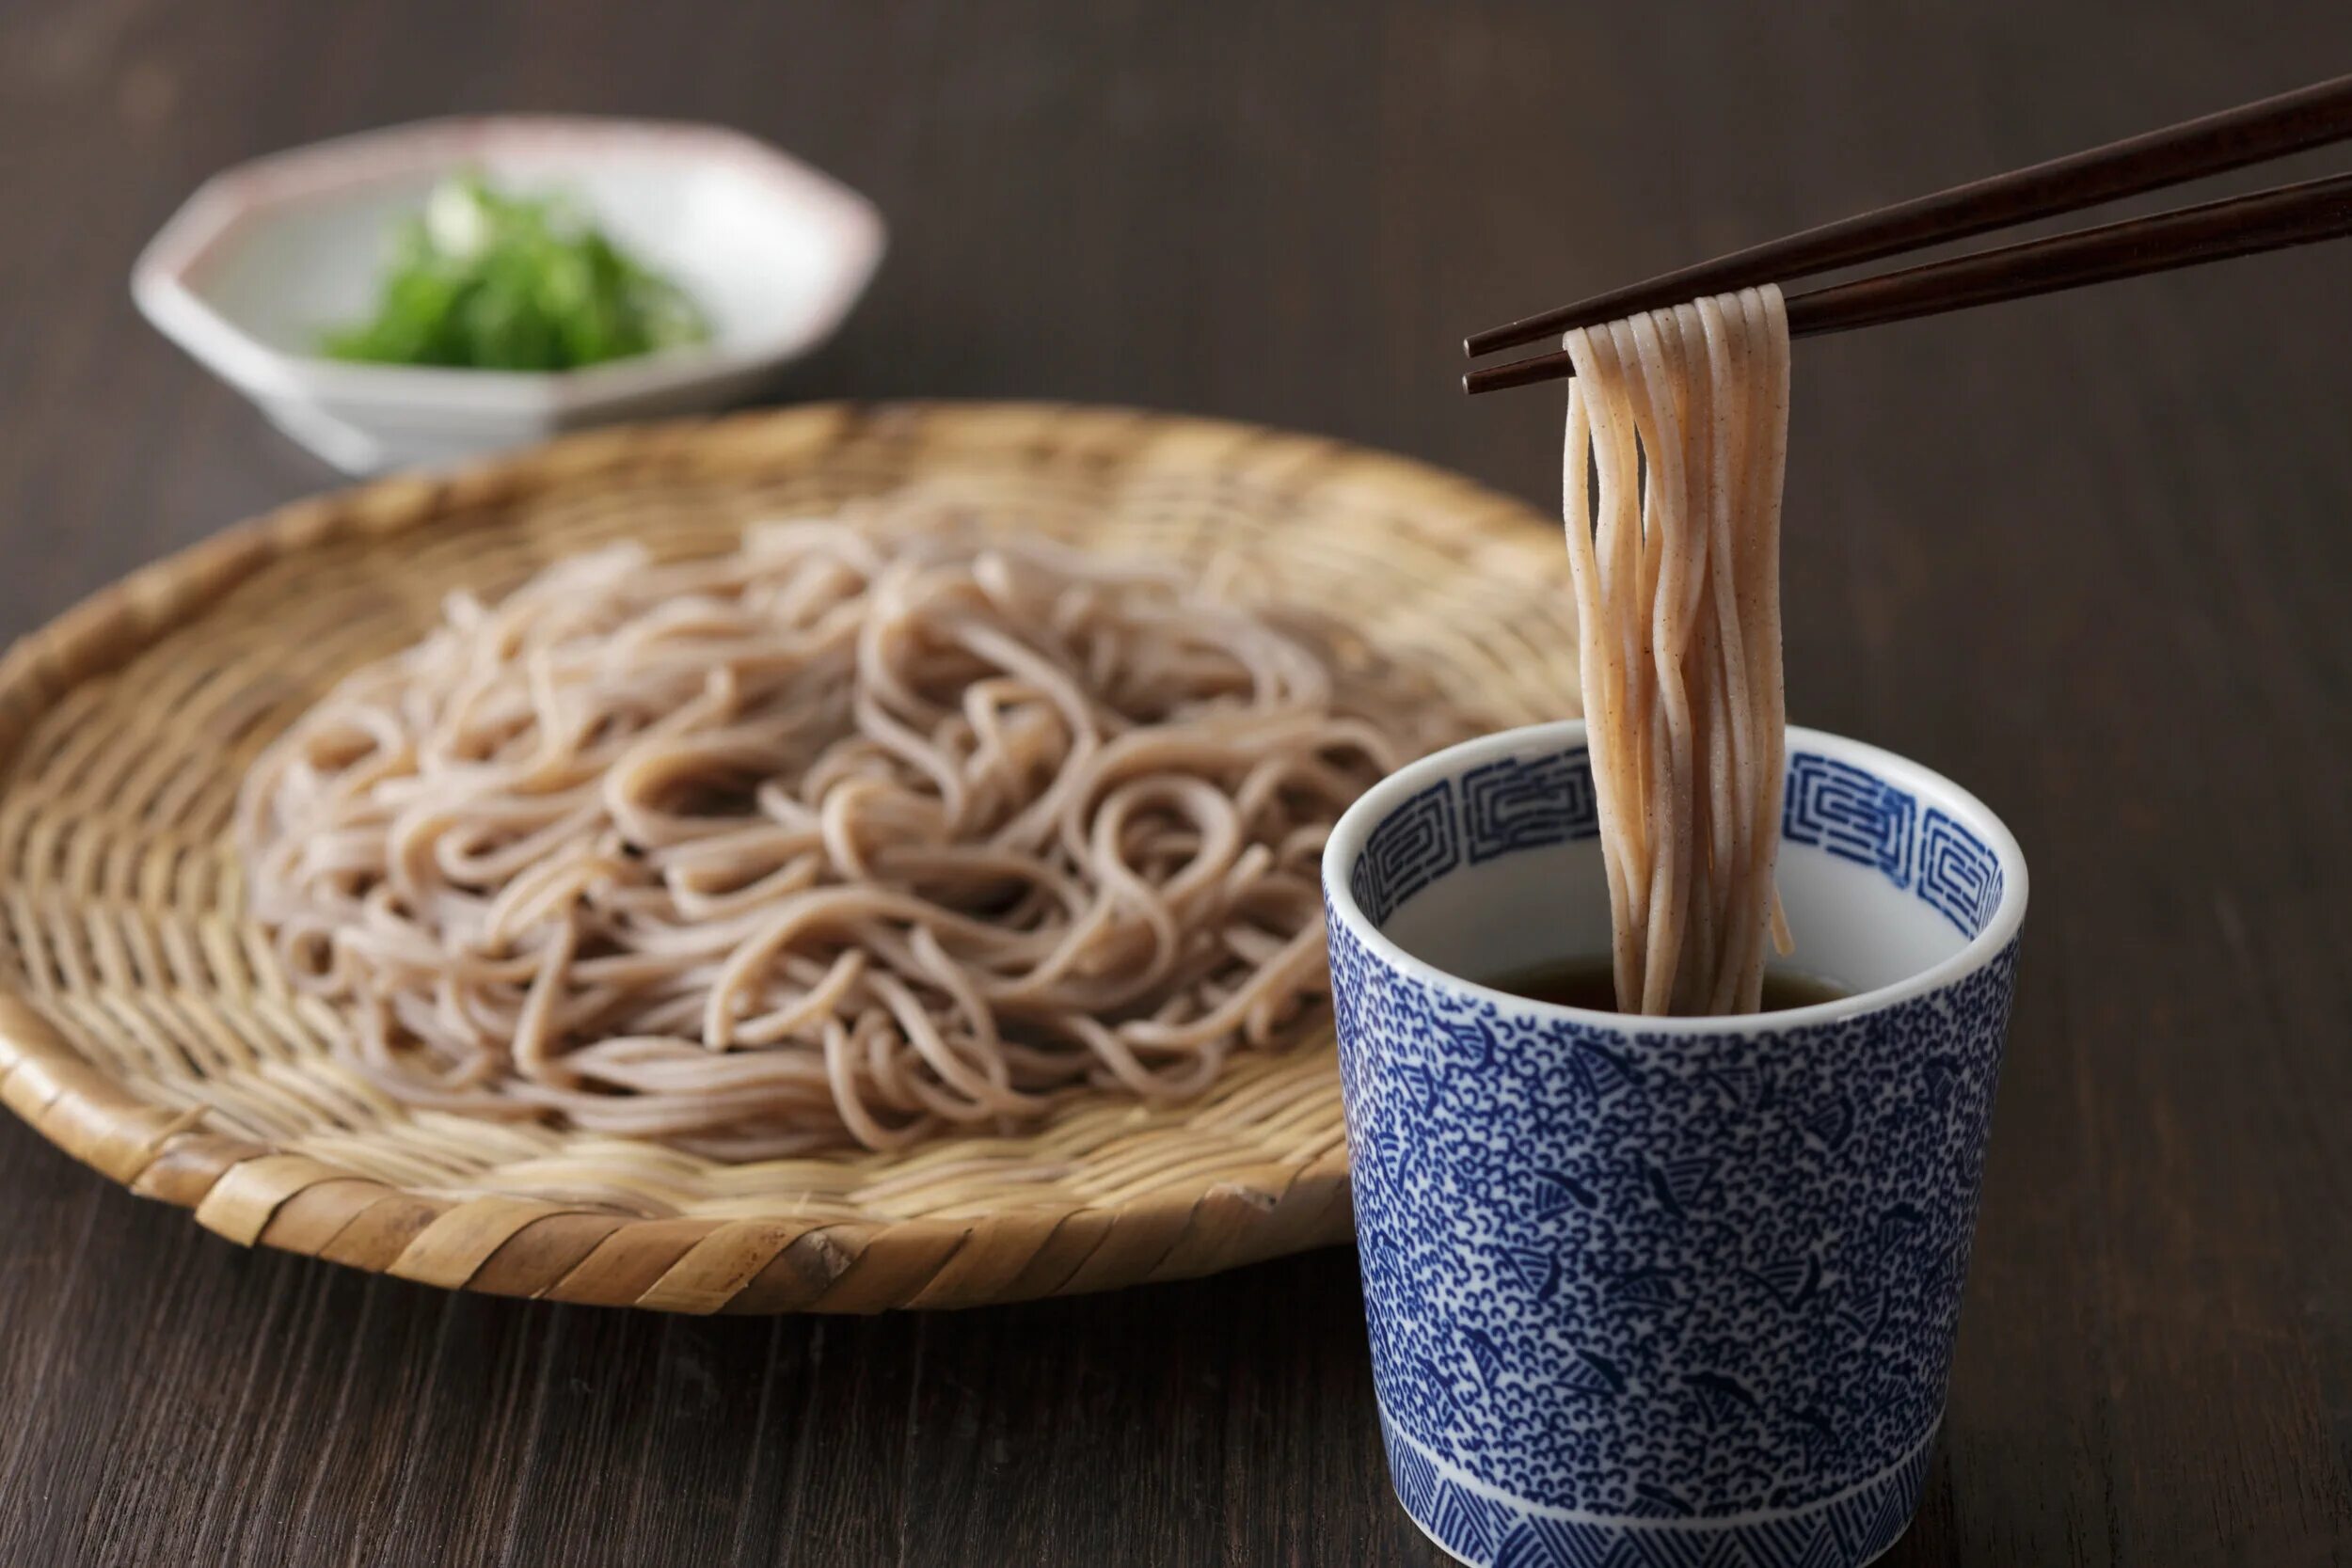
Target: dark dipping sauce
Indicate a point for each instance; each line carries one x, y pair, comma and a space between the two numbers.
1591, 982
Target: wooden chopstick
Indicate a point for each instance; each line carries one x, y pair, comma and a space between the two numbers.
2234, 138
2214, 231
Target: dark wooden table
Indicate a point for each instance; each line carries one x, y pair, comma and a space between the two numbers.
2091, 555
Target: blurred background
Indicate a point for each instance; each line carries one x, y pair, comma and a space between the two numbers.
1287, 212
2085, 553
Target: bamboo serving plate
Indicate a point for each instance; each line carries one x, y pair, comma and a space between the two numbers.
146, 1030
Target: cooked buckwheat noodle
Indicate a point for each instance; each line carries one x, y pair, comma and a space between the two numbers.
863, 830
1676, 442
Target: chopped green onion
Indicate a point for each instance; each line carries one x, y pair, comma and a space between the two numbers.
485, 280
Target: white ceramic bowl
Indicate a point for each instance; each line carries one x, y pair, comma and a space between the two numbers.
266, 256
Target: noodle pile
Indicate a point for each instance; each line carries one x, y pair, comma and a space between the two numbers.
1676, 441
863, 830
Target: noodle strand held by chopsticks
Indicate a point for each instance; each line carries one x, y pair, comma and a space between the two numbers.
868, 829
1677, 443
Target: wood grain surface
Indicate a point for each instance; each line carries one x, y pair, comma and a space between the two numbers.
2089, 555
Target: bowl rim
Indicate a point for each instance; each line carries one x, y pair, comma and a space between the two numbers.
1354, 827
163, 277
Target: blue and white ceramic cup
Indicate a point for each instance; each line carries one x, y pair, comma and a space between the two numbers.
1664, 1291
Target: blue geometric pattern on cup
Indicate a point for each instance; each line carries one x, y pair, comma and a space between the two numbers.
1637, 1297
1477, 1527
1414, 846
1957, 873
1527, 802
1535, 802
1854, 814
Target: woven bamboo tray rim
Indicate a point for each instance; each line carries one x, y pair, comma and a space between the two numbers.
144, 1030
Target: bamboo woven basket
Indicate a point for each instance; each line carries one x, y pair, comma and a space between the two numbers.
145, 1030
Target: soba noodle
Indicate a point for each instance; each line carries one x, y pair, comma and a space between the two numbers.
1676, 441
852, 835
